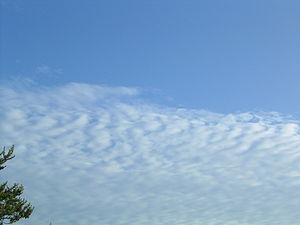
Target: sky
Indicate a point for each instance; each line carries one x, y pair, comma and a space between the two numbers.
223, 56
153, 112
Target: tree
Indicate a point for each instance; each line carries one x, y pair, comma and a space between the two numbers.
12, 207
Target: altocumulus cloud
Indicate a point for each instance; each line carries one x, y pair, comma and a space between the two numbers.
91, 154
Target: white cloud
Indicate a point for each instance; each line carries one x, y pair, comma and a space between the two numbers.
44, 69
90, 154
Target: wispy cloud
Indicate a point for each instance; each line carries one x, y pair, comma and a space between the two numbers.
44, 69
90, 154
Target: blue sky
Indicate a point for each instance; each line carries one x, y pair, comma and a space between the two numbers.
224, 56
153, 112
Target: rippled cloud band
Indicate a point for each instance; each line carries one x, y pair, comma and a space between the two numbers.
90, 154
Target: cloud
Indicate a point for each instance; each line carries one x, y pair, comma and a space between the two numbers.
90, 154
44, 69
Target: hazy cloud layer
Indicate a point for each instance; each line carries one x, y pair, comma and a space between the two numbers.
90, 154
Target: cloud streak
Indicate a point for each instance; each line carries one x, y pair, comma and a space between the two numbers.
90, 154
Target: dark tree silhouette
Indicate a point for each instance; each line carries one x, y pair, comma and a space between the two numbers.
12, 207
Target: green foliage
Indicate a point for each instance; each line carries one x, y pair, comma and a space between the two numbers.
4, 157
12, 207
